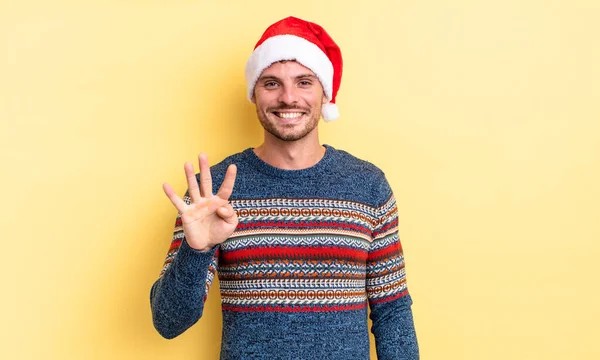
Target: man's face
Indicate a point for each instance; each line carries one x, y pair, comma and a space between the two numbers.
288, 98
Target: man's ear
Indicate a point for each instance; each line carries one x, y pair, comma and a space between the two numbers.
253, 99
325, 99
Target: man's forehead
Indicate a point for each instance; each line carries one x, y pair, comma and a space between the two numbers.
290, 67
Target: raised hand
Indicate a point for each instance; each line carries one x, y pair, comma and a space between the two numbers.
209, 219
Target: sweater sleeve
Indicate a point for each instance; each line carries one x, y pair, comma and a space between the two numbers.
177, 298
389, 300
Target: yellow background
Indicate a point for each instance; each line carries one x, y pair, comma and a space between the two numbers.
484, 115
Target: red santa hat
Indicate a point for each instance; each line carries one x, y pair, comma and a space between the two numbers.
307, 43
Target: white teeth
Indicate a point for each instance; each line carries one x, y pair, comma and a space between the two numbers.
289, 115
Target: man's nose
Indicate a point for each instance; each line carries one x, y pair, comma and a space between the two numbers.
288, 95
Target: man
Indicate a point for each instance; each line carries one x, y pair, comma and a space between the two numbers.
303, 236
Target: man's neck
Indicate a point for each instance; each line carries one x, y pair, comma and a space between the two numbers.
291, 155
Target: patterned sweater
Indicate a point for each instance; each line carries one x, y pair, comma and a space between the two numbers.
312, 249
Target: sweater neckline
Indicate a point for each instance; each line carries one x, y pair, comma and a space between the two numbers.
314, 170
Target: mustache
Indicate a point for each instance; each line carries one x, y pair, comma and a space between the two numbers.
287, 107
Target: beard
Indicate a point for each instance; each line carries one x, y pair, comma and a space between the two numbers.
289, 132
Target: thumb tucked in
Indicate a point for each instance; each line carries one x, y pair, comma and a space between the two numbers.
227, 213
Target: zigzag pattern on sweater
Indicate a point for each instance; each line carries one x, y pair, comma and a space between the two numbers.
310, 255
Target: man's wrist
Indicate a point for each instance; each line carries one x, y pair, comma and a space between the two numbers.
201, 248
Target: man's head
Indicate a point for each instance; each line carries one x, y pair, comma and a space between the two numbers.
303, 43
288, 98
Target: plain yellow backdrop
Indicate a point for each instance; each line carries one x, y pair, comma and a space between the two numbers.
483, 114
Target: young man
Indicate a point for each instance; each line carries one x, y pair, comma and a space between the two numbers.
302, 236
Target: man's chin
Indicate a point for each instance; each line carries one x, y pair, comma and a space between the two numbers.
287, 135
288, 130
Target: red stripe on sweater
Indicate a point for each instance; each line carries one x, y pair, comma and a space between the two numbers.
388, 251
294, 252
175, 244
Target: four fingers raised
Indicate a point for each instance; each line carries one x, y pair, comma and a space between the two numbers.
204, 189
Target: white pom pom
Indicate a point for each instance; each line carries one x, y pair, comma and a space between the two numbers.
330, 112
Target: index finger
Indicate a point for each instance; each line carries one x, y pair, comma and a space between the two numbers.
227, 185
175, 200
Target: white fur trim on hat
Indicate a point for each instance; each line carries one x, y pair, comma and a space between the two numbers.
330, 112
289, 47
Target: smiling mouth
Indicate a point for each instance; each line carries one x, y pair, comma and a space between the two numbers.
288, 115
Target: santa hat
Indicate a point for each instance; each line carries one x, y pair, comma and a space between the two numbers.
308, 44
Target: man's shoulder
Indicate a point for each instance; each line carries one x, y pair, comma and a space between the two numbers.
221, 166
361, 178
349, 164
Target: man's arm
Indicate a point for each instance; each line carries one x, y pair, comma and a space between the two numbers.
205, 220
177, 298
389, 300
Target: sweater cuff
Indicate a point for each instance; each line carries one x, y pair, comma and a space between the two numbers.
190, 265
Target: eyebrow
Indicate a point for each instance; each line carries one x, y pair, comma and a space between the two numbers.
271, 77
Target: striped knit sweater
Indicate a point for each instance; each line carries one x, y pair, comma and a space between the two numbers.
312, 249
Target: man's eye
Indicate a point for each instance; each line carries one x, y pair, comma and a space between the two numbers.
270, 84
305, 83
